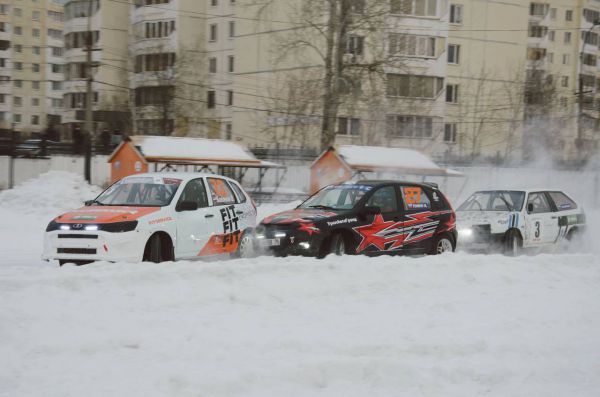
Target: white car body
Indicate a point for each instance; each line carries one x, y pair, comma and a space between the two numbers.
484, 228
214, 228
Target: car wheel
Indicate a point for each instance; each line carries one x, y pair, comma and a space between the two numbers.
442, 244
153, 251
512, 243
245, 246
337, 245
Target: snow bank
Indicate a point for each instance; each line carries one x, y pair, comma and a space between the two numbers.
49, 194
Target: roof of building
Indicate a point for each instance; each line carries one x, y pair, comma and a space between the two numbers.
195, 151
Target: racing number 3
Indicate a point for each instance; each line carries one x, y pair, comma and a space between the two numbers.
537, 229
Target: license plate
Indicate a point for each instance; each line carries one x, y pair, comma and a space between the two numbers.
271, 242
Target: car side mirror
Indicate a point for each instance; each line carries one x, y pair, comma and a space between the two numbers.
186, 206
366, 211
88, 202
530, 208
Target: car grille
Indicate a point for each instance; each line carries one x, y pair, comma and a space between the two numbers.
83, 251
88, 236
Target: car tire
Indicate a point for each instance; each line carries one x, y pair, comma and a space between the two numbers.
442, 244
153, 251
337, 245
245, 247
512, 243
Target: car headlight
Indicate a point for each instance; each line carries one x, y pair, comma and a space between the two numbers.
53, 225
467, 232
118, 227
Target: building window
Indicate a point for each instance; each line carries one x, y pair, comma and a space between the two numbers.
456, 13
154, 96
2, 62
18, 65
348, 126
154, 62
56, 16
567, 37
228, 131
18, 30
553, 13
565, 81
18, 83
453, 54
536, 54
17, 118
18, 12
2, 26
229, 98
400, 126
212, 65
212, 35
231, 29
57, 51
414, 7
589, 59
354, 45
412, 45
154, 30
3, 9
35, 85
35, 32
569, 15
35, 15
563, 102
57, 85
79, 9
211, 99
450, 132
18, 48
413, 86
35, 119
58, 35
56, 103
452, 93
35, 50
17, 101
35, 67
538, 9
2, 98
550, 57
56, 68
231, 63
565, 59
537, 30
214, 3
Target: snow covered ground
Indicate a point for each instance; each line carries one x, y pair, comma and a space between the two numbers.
452, 325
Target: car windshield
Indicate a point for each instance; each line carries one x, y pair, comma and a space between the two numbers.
337, 197
496, 200
152, 191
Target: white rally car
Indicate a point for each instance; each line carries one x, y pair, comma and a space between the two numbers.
156, 217
513, 219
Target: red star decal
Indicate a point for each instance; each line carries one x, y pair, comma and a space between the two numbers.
369, 233
309, 228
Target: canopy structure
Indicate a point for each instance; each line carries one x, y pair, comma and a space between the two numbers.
144, 153
347, 161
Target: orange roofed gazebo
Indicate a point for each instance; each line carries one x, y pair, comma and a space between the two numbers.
145, 153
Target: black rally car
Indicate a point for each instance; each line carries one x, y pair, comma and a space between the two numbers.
365, 217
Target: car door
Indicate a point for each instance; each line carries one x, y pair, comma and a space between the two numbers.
382, 231
419, 222
195, 227
226, 236
541, 225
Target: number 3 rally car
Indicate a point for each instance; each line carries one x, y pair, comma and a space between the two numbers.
366, 217
508, 220
156, 217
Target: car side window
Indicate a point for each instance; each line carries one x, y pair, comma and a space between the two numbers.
238, 191
562, 201
385, 198
220, 192
195, 192
415, 198
540, 203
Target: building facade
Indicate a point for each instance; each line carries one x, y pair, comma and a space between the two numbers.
31, 48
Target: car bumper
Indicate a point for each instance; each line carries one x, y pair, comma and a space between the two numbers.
287, 243
478, 238
94, 246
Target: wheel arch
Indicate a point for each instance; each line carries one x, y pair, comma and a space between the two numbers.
167, 243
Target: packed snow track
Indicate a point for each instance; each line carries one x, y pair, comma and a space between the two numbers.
449, 325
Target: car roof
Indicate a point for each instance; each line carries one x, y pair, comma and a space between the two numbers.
377, 182
180, 175
528, 190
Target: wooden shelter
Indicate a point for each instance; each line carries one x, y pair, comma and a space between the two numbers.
346, 162
145, 153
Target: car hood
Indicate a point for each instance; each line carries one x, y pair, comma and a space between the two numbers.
467, 218
298, 215
105, 214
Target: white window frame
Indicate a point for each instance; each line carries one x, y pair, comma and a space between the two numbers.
451, 131
451, 93
456, 14
456, 52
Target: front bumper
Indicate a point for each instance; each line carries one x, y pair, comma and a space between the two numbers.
94, 246
478, 238
281, 240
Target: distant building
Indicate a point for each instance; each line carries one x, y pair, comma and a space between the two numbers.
31, 49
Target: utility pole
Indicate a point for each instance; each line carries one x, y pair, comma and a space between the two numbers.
89, 123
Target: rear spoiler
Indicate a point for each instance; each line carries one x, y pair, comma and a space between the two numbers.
432, 184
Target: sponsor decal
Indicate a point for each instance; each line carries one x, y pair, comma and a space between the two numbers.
84, 217
220, 192
391, 235
309, 228
419, 206
297, 215
342, 221
365, 188
160, 220
565, 206
435, 196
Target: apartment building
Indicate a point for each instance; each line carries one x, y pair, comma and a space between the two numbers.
170, 57
31, 64
106, 26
